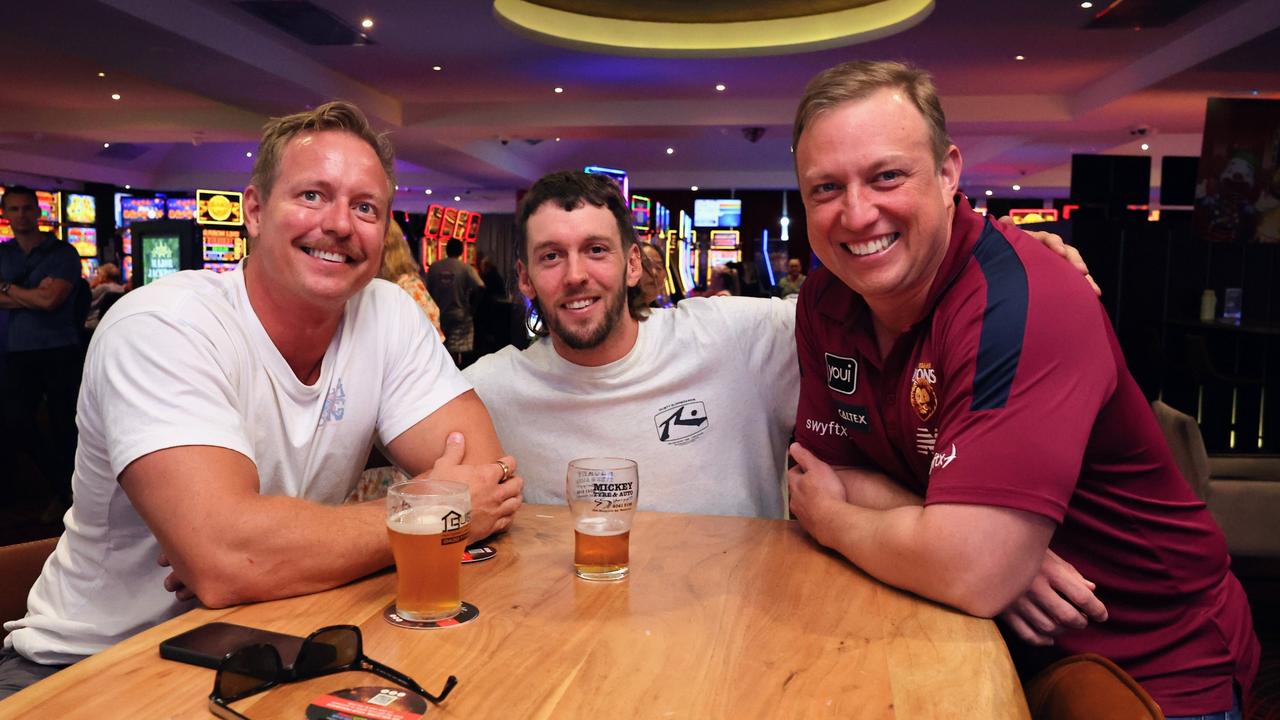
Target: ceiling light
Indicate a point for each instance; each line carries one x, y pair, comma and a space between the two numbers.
1086, 4
457, 198
115, 96
102, 74
106, 145
426, 191
366, 23
128, 187
1017, 188
397, 187
248, 154
989, 193
559, 90
1019, 57
1146, 146
693, 188
671, 151
437, 68
1254, 91
557, 139
720, 87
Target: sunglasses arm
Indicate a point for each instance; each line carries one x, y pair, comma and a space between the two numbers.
408, 682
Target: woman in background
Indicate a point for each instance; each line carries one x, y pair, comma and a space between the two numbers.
399, 267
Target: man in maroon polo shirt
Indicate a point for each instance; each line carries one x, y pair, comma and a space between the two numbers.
948, 358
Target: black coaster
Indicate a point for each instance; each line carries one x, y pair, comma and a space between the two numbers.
368, 702
468, 613
478, 553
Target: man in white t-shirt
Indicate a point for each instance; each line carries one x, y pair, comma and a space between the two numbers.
224, 417
702, 395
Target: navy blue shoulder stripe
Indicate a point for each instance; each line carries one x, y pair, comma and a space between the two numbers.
1004, 321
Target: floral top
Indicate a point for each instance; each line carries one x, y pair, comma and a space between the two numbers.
412, 284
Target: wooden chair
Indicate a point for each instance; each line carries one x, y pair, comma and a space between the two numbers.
1088, 687
20, 565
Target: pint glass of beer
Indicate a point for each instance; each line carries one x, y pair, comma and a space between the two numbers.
602, 495
428, 521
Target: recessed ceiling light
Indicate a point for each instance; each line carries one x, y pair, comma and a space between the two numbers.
1086, 4
1017, 188
248, 154
720, 87
397, 187
559, 90
989, 193
427, 191
102, 74
1254, 91
557, 139
693, 188
457, 198
366, 23
671, 151
437, 68
1146, 146
115, 96
106, 145
1019, 57
128, 187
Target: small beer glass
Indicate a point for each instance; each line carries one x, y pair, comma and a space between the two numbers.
602, 495
428, 521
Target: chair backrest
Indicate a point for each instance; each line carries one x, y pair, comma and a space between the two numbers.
1088, 687
1183, 435
20, 565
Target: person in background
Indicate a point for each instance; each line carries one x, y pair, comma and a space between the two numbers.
653, 283
39, 277
105, 282
226, 415
791, 282
452, 284
967, 428
723, 283
399, 267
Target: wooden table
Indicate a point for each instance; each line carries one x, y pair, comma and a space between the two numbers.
721, 618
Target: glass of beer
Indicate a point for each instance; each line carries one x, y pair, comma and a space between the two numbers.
602, 495
428, 521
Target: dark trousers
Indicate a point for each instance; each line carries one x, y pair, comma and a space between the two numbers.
52, 376
17, 672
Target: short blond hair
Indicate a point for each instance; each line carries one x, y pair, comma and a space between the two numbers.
337, 115
857, 79
397, 258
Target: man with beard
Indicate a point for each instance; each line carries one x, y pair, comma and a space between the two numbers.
671, 388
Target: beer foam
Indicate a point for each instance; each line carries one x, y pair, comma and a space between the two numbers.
427, 520
601, 526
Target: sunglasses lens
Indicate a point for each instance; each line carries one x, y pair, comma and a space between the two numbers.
328, 649
247, 670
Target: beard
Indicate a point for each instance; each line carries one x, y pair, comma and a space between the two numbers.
590, 337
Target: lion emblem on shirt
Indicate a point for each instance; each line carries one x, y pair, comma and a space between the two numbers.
924, 399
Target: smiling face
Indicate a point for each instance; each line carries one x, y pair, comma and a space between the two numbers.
579, 274
879, 207
318, 236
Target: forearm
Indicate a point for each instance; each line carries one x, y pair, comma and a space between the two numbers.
272, 547
875, 490
44, 298
913, 548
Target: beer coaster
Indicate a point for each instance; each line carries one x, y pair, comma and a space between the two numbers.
468, 613
382, 703
478, 553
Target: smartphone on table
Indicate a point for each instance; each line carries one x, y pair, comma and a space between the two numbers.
208, 644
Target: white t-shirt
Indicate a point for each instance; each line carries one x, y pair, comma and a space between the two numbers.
185, 361
705, 403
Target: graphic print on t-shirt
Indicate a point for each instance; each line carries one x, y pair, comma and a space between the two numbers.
335, 405
842, 374
681, 423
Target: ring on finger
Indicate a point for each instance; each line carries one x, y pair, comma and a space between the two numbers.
506, 471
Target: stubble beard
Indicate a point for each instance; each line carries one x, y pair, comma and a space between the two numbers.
590, 337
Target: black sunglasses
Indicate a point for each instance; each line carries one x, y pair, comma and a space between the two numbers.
337, 648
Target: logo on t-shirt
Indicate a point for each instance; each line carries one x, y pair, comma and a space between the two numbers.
335, 405
853, 417
681, 423
941, 460
924, 399
842, 374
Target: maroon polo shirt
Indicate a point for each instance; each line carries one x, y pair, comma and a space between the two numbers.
1012, 392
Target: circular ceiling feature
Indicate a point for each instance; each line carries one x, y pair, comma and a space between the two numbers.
709, 28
